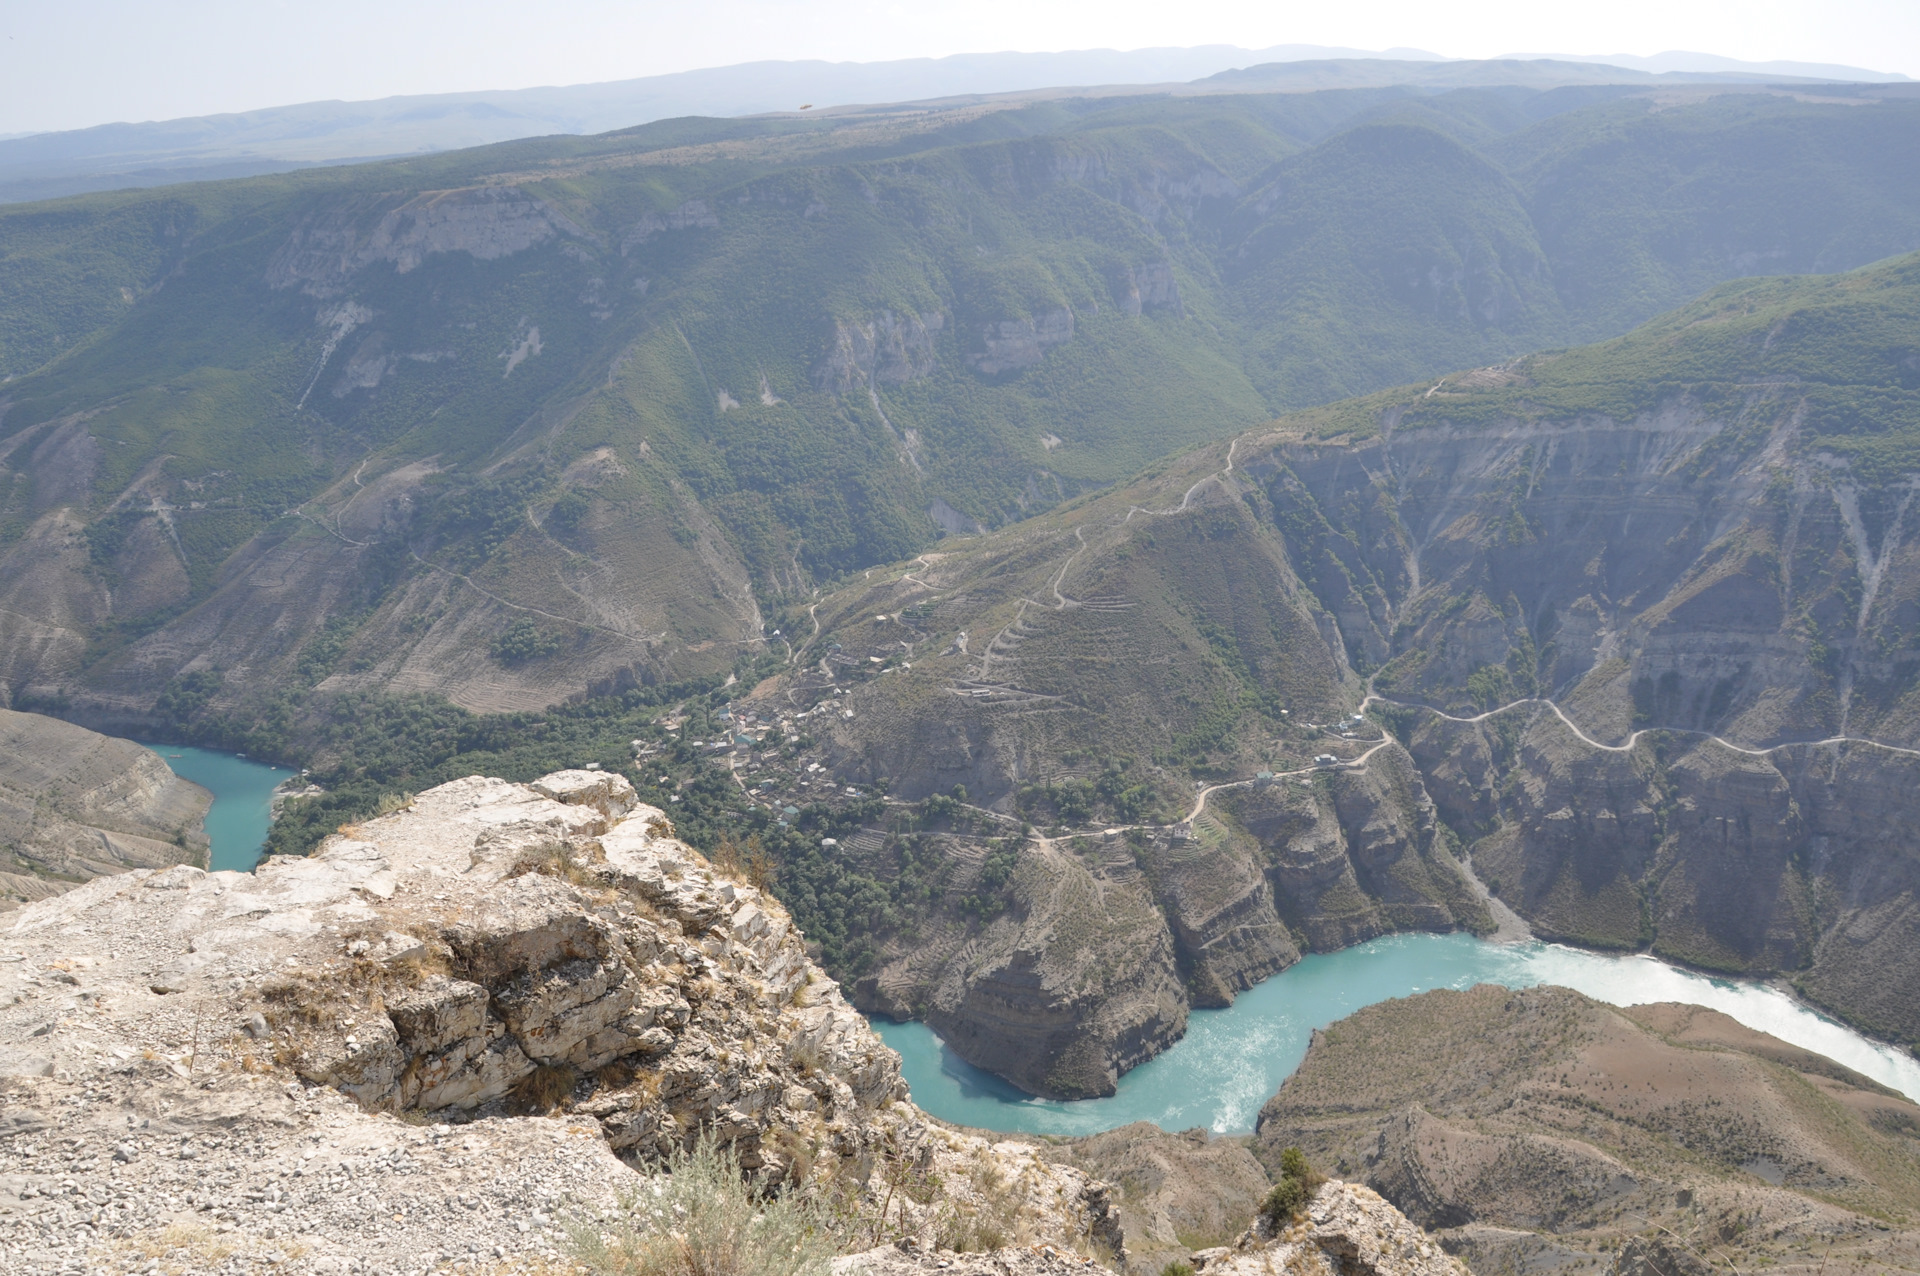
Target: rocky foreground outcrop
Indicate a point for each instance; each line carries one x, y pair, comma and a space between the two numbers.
439, 1038
75, 804
1346, 1230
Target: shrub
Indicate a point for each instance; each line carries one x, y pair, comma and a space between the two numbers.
698, 1216
567, 512
1298, 1182
522, 641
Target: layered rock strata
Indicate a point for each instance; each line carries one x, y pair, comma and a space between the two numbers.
1111, 940
493, 950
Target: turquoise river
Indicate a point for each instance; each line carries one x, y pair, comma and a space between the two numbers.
1231, 1060
242, 799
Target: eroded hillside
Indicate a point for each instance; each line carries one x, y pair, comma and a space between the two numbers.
75, 805
1539, 1130
513, 424
1632, 622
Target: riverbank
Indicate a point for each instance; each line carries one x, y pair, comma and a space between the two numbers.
243, 791
1231, 1060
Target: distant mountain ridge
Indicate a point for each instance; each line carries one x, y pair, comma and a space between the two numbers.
282, 138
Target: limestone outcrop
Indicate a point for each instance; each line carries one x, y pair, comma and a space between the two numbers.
76, 805
329, 248
1348, 1230
491, 955
1008, 345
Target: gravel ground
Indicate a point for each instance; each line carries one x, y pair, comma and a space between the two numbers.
138, 1172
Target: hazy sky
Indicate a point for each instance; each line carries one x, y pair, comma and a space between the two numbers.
71, 63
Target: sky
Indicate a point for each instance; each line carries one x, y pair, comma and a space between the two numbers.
74, 63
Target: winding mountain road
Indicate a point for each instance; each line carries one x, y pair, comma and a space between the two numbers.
1634, 739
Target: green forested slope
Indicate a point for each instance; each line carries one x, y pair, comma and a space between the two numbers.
620, 396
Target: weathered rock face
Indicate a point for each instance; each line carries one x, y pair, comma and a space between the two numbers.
1541, 1129
1172, 1192
75, 805
485, 222
1689, 571
1008, 345
1111, 940
1060, 994
1348, 1229
1799, 860
576, 934
886, 348
494, 949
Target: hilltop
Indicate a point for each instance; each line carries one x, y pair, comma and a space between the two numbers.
1542, 1131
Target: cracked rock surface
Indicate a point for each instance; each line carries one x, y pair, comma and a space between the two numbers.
1348, 1230
431, 1043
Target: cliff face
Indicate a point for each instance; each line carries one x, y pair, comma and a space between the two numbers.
75, 805
1640, 620
1108, 940
493, 951
1540, 1129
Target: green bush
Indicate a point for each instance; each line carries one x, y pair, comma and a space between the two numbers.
525, 639
1290, 1196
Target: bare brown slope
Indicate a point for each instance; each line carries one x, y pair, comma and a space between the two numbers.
1543, 1129
75, 805
1174, 1192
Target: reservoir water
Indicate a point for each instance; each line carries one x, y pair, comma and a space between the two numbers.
242, 799
1231, 1061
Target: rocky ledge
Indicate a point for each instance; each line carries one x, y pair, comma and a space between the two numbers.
438, 1039
1348, 1230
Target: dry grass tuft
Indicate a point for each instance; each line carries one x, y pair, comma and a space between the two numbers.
745, 863
547, 1089
178, 1249
700, 1217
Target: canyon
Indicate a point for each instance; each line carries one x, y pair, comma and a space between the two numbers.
1637, 659
452, 1037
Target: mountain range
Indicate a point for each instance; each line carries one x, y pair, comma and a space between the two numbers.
519, 421
282, 138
